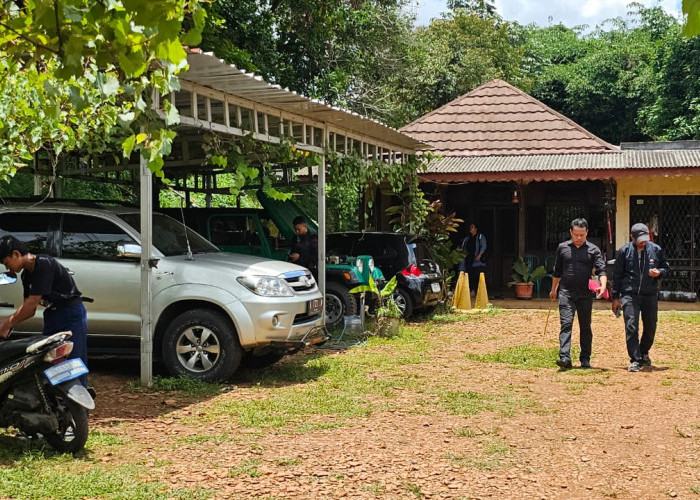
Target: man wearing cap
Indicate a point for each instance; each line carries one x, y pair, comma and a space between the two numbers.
638, 266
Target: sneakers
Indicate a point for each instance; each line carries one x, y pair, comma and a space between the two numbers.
585, 363
564, 363
646, 360
634, 367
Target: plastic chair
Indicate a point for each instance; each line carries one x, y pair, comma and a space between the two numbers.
533, 262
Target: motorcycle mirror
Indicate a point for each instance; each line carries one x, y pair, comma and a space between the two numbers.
7, 278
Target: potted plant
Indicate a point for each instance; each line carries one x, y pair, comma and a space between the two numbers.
523, 280
388, 313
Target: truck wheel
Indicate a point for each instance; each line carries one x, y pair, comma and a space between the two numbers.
403, 300
339, 303
201, 344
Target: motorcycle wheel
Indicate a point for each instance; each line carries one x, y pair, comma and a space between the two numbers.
72, 431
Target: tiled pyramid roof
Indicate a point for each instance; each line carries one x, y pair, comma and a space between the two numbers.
499, 119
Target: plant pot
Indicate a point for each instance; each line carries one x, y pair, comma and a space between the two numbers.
524, 290
388, 327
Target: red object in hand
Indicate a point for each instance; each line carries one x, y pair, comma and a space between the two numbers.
594, 287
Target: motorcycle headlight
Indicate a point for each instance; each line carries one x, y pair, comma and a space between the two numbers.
359, 265
371, 266
266, 286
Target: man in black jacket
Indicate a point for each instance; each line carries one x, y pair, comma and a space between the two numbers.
304, 249
638, 266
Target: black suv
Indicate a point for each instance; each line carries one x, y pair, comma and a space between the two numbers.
420, 283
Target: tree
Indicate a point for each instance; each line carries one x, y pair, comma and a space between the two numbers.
338, 51
674, 113
74, 73
601, 80
456, 54
482, 8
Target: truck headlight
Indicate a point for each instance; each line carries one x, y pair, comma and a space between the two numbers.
266, 286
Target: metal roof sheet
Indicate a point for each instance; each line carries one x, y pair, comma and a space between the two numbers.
566, 166
208, 70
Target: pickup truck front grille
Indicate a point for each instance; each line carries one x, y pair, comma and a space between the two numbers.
300, 281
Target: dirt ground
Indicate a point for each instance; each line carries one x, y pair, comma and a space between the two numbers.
598, 433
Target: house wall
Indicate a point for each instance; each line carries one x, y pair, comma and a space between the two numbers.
647, 185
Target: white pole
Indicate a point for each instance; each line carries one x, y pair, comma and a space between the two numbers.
146, 198
322, 225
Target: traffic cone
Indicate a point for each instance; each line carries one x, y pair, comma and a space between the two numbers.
482, 296
462, 299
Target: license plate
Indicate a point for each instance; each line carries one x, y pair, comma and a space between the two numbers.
68, 370
314, 306
435, 287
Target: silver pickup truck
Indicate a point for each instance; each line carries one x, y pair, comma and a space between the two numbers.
212, 311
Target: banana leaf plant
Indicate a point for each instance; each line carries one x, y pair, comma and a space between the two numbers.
386, 305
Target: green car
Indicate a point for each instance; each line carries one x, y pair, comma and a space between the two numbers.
268, 233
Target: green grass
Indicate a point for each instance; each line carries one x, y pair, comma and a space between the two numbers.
471, 403
40, 475
520, 356
245, 468
690, 317
473, 315
188, 387
493, 456
310, 391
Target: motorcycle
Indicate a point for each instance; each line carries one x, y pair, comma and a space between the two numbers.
40, 394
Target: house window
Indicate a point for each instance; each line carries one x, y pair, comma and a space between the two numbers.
558, 219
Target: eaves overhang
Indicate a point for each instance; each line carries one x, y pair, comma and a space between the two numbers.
563, 167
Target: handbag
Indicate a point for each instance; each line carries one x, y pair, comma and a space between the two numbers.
594, 287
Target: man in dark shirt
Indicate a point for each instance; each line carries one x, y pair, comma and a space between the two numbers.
304, 249
46, 282
639, 264
575, 260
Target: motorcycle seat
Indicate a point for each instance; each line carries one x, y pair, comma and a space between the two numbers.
14, 348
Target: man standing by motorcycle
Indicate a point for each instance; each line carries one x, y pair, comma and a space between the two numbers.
46, 282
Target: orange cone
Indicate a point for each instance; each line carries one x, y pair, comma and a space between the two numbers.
462, 299
482, 296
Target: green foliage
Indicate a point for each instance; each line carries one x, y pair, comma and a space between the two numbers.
522, 274
691, 9
674, 113
76, 75
387, 306
246, 159
601, 80
456, 54
341, 52
348, 172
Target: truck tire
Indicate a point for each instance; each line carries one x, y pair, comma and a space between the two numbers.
201, 344
403, 300
339, 303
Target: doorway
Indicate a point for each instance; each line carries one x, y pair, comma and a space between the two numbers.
500, 226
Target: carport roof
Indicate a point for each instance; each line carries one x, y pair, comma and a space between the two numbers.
208, 70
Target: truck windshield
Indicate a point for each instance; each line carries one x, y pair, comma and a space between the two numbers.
169, 235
